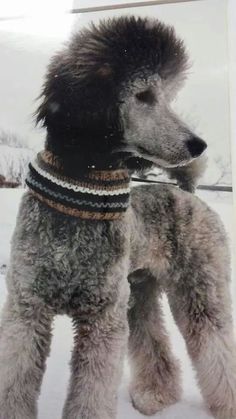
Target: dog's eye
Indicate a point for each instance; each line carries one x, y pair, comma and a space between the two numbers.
147, 96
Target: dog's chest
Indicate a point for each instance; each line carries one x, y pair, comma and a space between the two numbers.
75, 268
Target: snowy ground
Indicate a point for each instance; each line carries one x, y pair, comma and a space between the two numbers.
56, 378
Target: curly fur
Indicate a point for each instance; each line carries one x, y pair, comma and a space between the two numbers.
106, 102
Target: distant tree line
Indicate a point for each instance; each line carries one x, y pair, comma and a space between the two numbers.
14, 159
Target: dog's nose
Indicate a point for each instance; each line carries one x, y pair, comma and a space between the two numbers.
196, 146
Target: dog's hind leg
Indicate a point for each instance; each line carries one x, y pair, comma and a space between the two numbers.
99, 347
25, 336
155, 381
200, 302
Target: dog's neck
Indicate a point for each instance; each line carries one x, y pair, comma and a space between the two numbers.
94, 195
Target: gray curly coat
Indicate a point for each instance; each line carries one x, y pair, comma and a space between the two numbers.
167, 241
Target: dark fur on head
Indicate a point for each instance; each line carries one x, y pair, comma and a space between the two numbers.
81, 95
105, 101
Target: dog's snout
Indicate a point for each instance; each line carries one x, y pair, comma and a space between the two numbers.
196, 146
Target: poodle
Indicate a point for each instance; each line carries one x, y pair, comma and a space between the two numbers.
89, 246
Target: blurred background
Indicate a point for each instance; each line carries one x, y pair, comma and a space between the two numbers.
30, 32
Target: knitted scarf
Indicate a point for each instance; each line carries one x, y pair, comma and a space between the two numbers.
96, 195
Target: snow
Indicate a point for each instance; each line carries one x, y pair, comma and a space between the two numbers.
15, 156
57, 374
14, 162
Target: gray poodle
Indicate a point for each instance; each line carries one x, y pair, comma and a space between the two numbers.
81, 232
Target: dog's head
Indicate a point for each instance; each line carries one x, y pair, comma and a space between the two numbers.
106, 99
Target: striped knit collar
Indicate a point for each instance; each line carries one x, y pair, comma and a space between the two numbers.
96, 195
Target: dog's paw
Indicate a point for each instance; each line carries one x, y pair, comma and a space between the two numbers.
223, 412
149, 401
146, 402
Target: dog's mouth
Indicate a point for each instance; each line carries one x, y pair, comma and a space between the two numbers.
142, 153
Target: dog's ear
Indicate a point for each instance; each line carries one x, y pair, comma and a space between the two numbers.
79, 108
55, 95
64, 87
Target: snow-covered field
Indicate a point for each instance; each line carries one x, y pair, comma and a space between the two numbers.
56, 378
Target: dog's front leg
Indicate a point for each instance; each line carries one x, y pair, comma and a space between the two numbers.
25, 337
99, 347
155, 376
